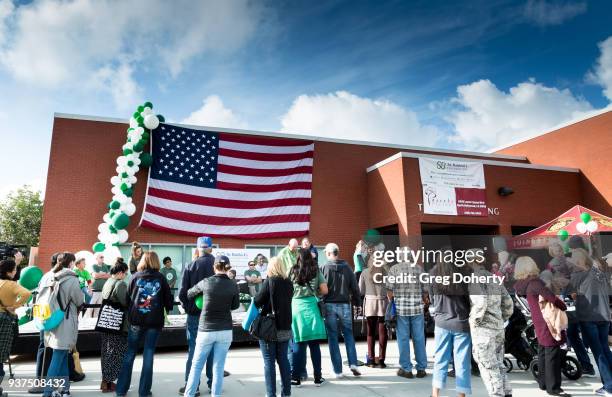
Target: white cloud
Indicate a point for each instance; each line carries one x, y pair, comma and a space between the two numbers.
602, 74
488, 117
6, 9
53, 43
119, 82
548, 13
345, 115
214, 113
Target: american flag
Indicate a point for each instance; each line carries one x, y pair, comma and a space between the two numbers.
223, 184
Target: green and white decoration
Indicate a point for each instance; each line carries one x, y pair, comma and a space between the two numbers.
112, 231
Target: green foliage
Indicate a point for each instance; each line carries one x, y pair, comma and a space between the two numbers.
20, 217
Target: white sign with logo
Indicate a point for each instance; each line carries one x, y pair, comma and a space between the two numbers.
240, 257
453, 187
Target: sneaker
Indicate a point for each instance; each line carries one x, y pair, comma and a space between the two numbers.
182, 391
405, 374
296, 383
36, 390
451, 373
600, 391
381, 364
340, 376
319, 381
226, 374
65, 393
355, 370
421, 373
589, 374
77, 377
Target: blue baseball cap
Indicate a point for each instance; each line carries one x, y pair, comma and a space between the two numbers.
204, 242
222, 259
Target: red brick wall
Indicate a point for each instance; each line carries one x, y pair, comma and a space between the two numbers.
586, 145
82, 161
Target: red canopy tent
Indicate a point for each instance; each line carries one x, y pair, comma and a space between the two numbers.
570, 221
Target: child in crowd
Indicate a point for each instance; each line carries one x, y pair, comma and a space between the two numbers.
84, 278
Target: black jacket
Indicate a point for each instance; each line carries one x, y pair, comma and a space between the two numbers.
149, 295
220, 298
195, 272
341, 283
282, 292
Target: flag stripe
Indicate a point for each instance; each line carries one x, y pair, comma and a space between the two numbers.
223, 203
253, 140
228, 221
223, 193
230, 169
227, 212
265, 164
240, 187
246, 147
293, 233
280, 181
223, 229
264, 156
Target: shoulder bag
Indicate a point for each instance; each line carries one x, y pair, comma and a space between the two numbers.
264, 327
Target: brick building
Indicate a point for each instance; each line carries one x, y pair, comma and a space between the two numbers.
355, 186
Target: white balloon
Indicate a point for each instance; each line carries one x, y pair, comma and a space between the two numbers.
122, 160
146, 111
122, 236
133, 122
115, 180
116, 190
101, 237
111, 254
581, 227
591, 226
129, 209
106, 218
102, 227
133, 179
140, 130
120, 169
151, 121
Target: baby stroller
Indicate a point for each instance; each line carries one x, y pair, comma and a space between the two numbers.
521, 343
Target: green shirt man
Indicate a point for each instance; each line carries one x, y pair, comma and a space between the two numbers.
98, 283
288, 255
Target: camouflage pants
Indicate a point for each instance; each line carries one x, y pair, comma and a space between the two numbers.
488, 349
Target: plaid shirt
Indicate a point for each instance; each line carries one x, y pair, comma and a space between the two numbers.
408, 296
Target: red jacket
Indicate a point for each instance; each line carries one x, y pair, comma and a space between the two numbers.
532, 288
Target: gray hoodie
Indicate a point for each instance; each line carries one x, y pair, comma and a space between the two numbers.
64, 337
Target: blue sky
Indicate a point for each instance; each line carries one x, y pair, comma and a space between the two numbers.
473, 75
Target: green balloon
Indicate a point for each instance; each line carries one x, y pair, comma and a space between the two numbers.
98, 247
140, 120
563, 234
127, 151
114, 205
586, 217
120, 221
123, 188
138, 147
125, 175
372, 236
199, 301
161, 118
130, 163
145, 159
136, 114
128, 192
145, 136
142, 142
140, 108
30, 277
112, 229
148, 104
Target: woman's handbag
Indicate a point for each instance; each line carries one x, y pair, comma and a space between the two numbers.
264, 327
111, 317
320, 303
251, 315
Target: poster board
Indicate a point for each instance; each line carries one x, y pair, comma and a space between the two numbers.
240, 257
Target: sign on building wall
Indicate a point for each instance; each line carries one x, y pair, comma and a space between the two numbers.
453, 187
240, 257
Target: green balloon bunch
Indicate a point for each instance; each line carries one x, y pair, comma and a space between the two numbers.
133, 157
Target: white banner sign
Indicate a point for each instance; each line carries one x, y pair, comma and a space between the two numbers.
453, 187
240, 257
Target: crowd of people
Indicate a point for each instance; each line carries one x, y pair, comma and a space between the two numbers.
326, 297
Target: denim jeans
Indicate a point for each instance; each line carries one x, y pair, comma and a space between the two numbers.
58, 368
577, 344
299, 359
457, 343
411, 327
135, 336
193, 321
595, 334
291, 351
276, 352
217, 342
340, 314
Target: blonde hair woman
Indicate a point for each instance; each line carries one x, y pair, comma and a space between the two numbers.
273, 296
137, 253
549, 349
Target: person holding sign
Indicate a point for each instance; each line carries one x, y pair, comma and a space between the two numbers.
113, 346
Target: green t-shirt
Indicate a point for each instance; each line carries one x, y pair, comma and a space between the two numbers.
251, 273
302, 291
170, 275
84, 277
98, 283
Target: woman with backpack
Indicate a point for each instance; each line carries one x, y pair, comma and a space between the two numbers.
150, 295
308, 325
114, 346
12, 296
220, 296
62, 339
272, 298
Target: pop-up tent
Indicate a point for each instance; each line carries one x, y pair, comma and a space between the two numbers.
578, 220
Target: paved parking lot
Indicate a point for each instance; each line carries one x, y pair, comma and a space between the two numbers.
246, 367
